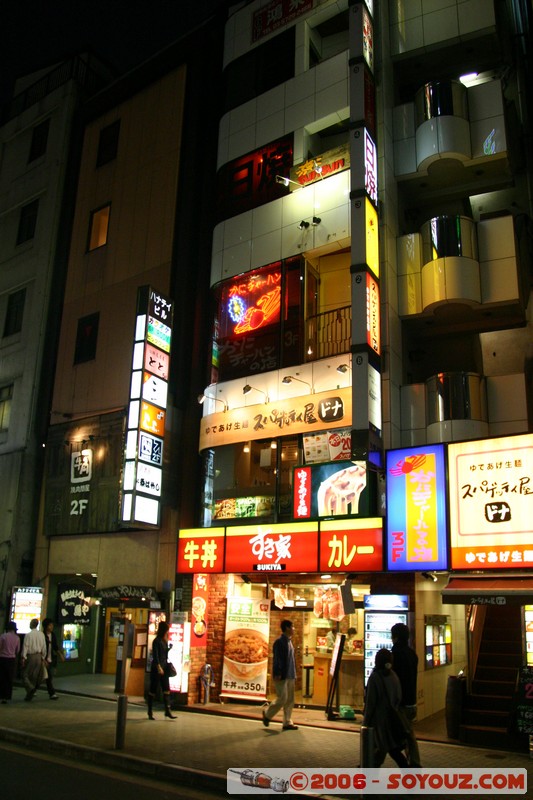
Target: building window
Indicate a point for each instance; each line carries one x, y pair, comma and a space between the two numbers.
39, 140
108, 144
27, 222
86, 338
98, 227
6, 397
15, 312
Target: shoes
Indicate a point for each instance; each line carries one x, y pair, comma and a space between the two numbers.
290, 727
169, 714
54, 697
266, 721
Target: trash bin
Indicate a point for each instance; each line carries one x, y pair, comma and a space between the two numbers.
455, 702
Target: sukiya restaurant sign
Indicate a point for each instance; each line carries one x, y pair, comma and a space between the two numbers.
294, 415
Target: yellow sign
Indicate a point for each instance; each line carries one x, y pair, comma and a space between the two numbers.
304, 414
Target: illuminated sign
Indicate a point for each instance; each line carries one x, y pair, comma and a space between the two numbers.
368, 39
374, 398
304, 414
272, 548
200, 549
328, 446
81, 466
372, 314
491, 499
331, 490
277, 14
143, 453
362, 34
244, 507
320, 167
416, 508
351, 545
26, 604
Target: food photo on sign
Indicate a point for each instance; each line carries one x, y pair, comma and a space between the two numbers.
244, 673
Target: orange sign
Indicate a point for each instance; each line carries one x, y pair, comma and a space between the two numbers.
152, 419
201, 549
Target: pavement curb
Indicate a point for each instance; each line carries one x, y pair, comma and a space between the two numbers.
116, 760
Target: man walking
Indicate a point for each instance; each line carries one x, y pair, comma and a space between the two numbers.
284, 675
406, 668
33, 659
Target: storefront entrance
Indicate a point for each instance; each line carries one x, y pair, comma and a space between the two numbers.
113, 617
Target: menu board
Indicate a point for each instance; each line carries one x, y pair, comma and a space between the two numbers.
26, 604
528, 620
524, 706
244, 673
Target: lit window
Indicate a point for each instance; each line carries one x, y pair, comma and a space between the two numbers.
99, 227
6, 396
27, 222
15, 312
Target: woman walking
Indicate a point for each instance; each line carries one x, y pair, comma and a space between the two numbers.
383, 696
159, 670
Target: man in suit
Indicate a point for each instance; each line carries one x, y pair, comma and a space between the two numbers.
284, 675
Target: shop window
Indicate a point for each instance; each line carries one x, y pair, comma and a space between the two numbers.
6, 399
39, 140
258, 321
15, 312
98, 227
86, 338
108, 144
27, 222
251, 480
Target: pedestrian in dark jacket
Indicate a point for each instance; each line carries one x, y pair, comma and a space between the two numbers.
159, 670
383, 695
406, 668
284, 675
53, 652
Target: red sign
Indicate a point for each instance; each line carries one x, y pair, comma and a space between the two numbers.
351, 545
302, 493
272, 548
276, 15
201, 549
372, 314
200, 589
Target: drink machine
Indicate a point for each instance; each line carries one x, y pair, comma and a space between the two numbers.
382, 611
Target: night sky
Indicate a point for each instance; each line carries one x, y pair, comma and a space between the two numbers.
35, 34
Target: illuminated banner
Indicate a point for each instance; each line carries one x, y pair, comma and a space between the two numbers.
362, 96
200, 595
491, 503
351, 545
416, 509
372, 314
272, 548
303, 414
362, 35
331, 490
364, 163
246, 648
316, 169
143, 456
26, 604
328, 446
200, 549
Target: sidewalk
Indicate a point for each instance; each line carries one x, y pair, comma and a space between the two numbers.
200, 747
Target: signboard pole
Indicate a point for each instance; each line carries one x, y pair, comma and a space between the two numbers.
333, 693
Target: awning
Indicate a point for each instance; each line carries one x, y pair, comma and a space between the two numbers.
515, 591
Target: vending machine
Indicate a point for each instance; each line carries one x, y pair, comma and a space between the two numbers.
382, 611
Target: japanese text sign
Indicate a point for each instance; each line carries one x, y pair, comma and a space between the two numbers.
201, 549
272, 548
351, 545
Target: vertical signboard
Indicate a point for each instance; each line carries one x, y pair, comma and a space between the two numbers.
244, 674
26, 604
416, 509
143, 459
366, 347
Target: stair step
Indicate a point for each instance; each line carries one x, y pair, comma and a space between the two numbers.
492, 736
506, 674
489, 702
498, 688
486, 717
502, 659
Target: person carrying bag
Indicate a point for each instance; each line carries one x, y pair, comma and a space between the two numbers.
383, 696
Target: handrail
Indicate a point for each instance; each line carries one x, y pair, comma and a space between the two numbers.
328, 333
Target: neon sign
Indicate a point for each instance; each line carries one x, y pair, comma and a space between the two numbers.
254, 303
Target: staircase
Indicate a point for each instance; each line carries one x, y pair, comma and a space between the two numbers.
487, 713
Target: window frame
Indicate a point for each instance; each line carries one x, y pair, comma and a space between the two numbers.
93, 216
108, 144
39, 140
85, 347
27, 222
6, 402
14, 318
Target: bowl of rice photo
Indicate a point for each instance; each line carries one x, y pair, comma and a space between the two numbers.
245, 653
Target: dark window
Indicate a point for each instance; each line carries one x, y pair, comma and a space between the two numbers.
6, 399
39, 140
98, 227
108, 144
86, 338
15, 312
27, 222
260, 69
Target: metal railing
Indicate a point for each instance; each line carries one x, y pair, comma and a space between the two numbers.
328, 333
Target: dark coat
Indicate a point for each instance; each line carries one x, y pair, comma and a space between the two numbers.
280, 665
406, 668
382, 684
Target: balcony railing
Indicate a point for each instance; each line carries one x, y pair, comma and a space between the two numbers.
328, 333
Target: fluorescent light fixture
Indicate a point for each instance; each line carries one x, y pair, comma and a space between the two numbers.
469, 78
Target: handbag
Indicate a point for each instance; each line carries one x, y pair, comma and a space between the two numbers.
170, 670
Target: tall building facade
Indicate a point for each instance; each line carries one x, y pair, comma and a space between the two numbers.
371, 296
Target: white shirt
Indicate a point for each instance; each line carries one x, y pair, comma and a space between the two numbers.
34, 642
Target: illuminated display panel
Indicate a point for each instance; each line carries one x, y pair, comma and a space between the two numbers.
272, 548
372, 314
491, 490
200, 550
335, 489
416, 509
351, 545
26, 604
